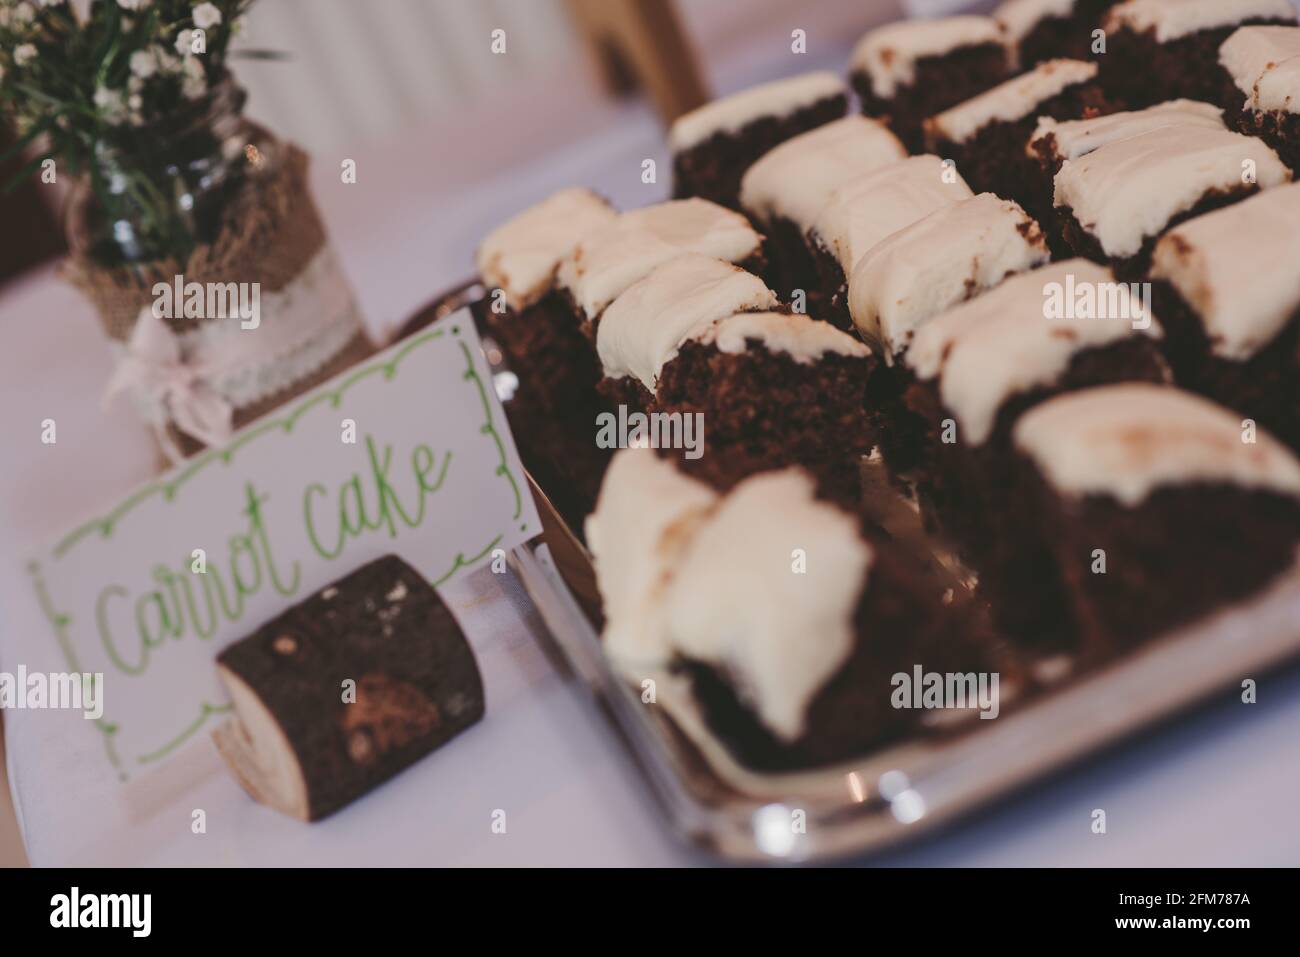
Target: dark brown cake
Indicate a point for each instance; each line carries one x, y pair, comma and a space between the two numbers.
953, 255
987, 136
1107, 200
1039, 30
713, 146
518, 262
1260, 76
1054, 142
644, 328
973, 371
868, 209
906, 71
900, 622
1098, 505
1154, 508
1228, 287
789, 619
1160, 50
787, 189
773, 390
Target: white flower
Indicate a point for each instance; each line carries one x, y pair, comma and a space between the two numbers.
184, 42
23, 13
24, 54
206, 15
111, 104
194, 83
144, 64
106, 98
132, 4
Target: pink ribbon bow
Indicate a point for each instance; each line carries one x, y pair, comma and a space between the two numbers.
172, 388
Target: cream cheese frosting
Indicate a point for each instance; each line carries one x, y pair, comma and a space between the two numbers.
795, 180
804, 340
729, 114
868, 208
888, 54
610, 259
1239, 270
1264, 63
645, 326
1075, 138
1171, 19
1006, 341
1131, 189
645, 515
1127, 440
945, 258
738, 604
521, 256
1010, 101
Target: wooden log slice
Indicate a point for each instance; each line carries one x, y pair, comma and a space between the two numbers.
304, 740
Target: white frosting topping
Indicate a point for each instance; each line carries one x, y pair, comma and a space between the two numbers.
1131, 189
1264, 62
796, 179
731, 113
888, 54
739, 605
644, 517
1009, 341
955, 253
1010, 101
1127, 440
1239, 269
645, 326
612, 258
1279, 88
804, 340
1075, 138
1018, 17
520, 257
1172, 19
868, 208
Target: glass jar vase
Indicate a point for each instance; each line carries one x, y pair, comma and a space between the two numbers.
157, 192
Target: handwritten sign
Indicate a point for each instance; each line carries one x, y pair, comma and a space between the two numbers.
407, 453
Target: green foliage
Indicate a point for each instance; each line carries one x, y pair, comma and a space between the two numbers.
107, 89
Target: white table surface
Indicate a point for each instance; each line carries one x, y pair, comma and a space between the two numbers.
1217, 788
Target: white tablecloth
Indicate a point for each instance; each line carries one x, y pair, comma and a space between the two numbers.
1218, 788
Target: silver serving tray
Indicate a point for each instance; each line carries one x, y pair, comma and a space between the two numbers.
905, 789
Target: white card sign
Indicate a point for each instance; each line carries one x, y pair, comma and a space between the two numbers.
407, 453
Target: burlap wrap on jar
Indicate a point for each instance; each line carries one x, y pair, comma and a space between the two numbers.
197, 379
